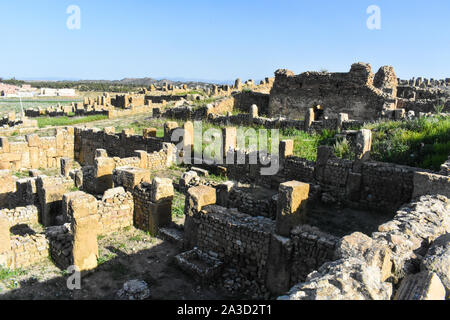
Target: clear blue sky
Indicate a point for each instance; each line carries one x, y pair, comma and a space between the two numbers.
220, 40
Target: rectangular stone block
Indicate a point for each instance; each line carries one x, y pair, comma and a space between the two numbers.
129, 177
162, 190
200, 196
291, 207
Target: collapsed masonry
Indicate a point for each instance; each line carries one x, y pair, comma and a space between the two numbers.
274, 252
117, 193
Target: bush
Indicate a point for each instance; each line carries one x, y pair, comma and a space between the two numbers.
423, 142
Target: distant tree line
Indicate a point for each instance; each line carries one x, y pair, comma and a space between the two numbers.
78, 85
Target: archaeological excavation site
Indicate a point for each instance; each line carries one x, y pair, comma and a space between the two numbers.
327, 204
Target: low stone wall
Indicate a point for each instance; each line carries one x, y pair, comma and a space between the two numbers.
236, 238
28, 250
115, 210
21, 215
365, 267
122, 145
428, 183
311, 248
37, 152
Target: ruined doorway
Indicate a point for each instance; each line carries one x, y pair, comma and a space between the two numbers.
318, 112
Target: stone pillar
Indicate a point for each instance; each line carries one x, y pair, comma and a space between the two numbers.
149, 133
229, 137
196, 199
238, 84
5, 242
188, 138
309, 118
168, 128
286, 148
103, 171
85, 226
66, 166
291, 208
342, 117
363, 144
253, 112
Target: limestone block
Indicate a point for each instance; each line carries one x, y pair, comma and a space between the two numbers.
253, 111
143, 156
4, 144
128, 132
374, 253
81, 205
34, 157
188, 138
162, 189
5, 244
168, 128
421, 286
104, 168
229, 136
110, 130
363, 144
149, 132
129, 177
286, 148
309, 117
429, 183
85, 245
291, 207
66, 166
201, 196
10, 157
33, 140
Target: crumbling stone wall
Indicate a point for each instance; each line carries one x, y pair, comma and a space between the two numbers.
28, 250
153, 205
366, 267
21, 215
116, 145
245, 99
115, 210
37, 152
353, 93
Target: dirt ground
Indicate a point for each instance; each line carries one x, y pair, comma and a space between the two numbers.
125, 255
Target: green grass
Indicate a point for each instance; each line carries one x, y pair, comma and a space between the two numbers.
105, 258
67, 121
7, 274
423, 142
305, 144
178, 204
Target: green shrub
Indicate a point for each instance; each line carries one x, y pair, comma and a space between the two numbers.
423, 142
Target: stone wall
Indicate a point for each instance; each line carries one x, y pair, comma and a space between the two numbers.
252, 244
245, 99
21, 215
28, 250
115, 210
353, 93
37, 152
366, 268
121, 145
